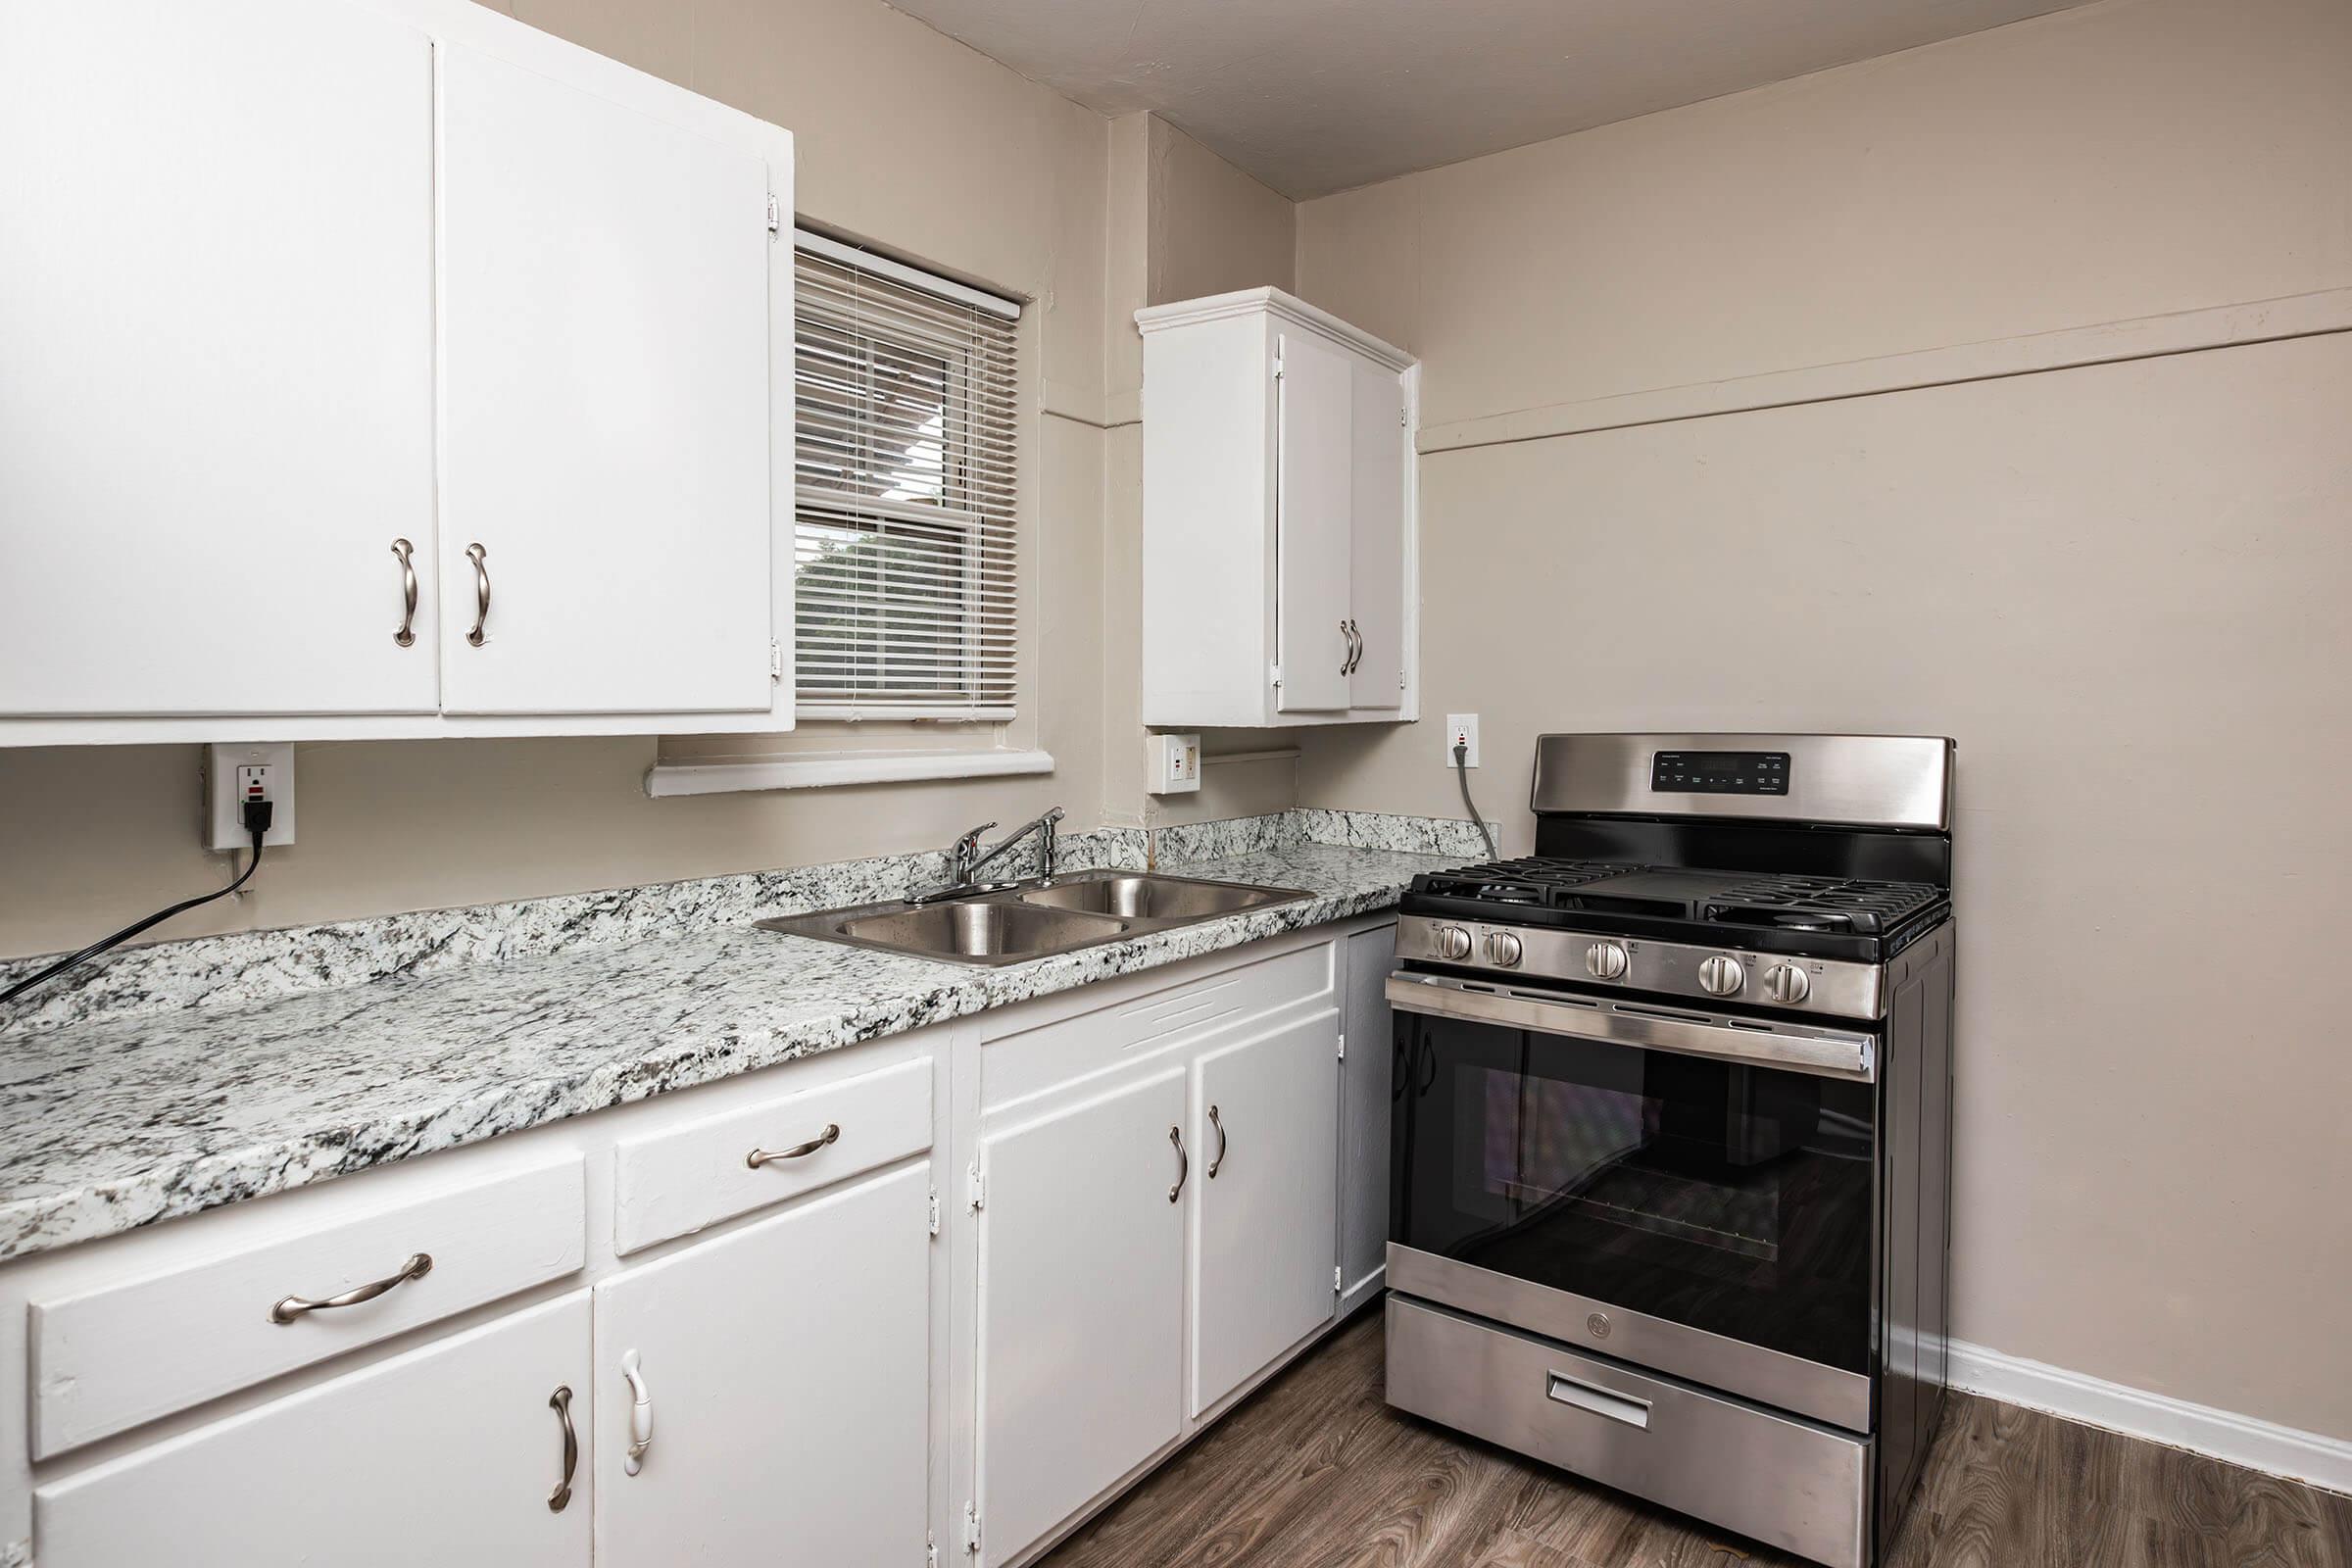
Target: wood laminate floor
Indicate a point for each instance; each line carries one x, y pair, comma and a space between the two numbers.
1314, 1471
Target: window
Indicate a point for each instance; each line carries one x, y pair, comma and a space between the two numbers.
905, 565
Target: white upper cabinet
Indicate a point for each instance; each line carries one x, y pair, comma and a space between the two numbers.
215, 357
1278, 516
328, 326
604, 385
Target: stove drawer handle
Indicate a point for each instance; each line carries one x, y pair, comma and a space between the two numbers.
1563, 1389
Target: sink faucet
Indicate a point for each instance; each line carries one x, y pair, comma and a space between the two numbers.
965, 857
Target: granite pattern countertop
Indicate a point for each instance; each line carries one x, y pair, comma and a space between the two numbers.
114, 1122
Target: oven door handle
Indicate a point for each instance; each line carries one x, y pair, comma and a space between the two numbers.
1822, 1053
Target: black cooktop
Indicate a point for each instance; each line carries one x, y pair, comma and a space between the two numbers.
1822, 916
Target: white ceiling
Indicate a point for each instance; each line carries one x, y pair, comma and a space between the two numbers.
1313, 96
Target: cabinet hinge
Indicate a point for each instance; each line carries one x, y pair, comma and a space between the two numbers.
1342, 1048
930, 1550
935, 1211
775, 217
775, 660
977, 1195
1274, 675
1276, 366
1339, 1286
971, 1528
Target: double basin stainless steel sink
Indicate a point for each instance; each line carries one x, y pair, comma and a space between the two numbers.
1015, 922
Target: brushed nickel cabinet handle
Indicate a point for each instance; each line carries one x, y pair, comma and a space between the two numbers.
1216, 1160
407, 635
560, 1401
641, 1414
764, 1157
1347, 647
1184, 1163
481, 594
418, 1266
1357, 662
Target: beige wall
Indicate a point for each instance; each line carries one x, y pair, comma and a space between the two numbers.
2119, 587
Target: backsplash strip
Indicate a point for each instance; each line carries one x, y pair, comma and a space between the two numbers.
254, 965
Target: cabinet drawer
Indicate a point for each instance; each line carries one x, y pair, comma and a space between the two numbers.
110, 1359
1051, 1056
1796, 1485
675, 1183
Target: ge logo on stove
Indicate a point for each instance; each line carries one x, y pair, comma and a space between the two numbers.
1598, 1325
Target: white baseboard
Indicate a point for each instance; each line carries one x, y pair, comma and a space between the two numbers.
2258, 1444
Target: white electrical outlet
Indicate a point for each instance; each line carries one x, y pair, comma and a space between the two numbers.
1462, 729
234, 774
1172, 764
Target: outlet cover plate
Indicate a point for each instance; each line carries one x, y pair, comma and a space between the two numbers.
1173, 764
1462, 727
224, 822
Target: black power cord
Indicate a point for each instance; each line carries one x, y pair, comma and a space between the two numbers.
1461, 771
256, 823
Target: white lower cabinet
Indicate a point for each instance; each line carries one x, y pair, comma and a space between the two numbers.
1262, 1274
446, 1454
786, 1373
1167, 1199
1367, 1076
1081, 1257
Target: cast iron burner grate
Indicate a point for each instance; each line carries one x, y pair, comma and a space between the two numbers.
1819, 903
1536, 879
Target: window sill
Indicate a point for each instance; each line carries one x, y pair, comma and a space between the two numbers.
825, 770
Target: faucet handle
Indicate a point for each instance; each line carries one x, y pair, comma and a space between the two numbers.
970, 837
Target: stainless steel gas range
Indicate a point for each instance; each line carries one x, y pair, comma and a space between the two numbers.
1670, 1171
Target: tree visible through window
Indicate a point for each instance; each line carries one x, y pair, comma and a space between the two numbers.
905, 564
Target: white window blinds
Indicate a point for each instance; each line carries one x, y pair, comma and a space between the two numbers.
905, 562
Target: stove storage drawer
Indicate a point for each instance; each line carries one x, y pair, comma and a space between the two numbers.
1786, 1482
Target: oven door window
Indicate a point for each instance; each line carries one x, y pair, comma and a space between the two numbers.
1732, 1199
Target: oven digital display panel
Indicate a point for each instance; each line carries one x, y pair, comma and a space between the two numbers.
1720, 772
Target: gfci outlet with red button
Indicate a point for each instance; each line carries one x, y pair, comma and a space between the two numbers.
235, 774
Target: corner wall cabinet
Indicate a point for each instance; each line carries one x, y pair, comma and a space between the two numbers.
1278, 566
1004, 1267
384, 370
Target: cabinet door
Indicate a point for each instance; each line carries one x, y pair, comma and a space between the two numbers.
448, 1455
215, 323
1081, 1304
606, 404
1314, 479
1266, 1110
787, 1368
1365, 1076
1376, 549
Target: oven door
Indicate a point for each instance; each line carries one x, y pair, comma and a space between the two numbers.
1691, 1191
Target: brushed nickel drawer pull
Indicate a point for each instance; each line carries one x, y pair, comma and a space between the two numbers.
560, 1401
764, 1157
1184, 1163
407, 635
418, 1266
1218, 1161
481, 594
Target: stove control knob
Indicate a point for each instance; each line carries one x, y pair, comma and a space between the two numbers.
1787, 984
1720, 976
1452, 942
1605, 961
1502, 950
